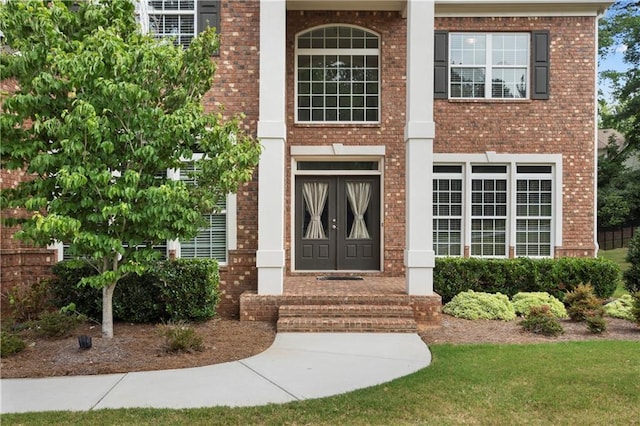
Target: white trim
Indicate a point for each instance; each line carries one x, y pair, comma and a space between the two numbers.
511, 161
338, 149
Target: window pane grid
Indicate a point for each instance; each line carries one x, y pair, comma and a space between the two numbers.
172, 18
501, 59
447, 216
337, 76
534, 210
489, 217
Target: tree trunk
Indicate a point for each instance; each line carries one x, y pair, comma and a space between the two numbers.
107, 311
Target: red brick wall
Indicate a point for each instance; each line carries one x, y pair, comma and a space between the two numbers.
20, 263
390, 132
236, 87
563, 124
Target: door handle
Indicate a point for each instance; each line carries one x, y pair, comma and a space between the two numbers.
334, 227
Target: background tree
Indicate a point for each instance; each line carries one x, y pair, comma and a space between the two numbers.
100, 113
618, 184
621, 30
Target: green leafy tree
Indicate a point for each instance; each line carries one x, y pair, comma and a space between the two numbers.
621, 28
101, 112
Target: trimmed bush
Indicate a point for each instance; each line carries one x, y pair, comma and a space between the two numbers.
583, 303
632, 275
478, 305
541, 320
66, 289
189, 289
522, 303
510, 276
620, 308
176, 290
10, 344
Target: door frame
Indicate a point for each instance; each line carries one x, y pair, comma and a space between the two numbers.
335, 153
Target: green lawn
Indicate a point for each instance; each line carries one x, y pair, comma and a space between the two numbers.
619, 256
555, 383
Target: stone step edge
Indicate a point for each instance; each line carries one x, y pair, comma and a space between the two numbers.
358, 311
320, 324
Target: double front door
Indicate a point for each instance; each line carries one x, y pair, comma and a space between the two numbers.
337, 223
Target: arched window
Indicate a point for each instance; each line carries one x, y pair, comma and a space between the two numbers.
337, 75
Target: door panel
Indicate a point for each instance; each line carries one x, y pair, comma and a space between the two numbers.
337, 223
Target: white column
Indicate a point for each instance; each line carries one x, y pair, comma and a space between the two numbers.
419, 257
272, 135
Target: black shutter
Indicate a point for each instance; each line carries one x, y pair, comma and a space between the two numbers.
540, 65
208, 15
440, 64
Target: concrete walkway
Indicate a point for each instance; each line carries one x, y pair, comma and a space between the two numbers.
297, 366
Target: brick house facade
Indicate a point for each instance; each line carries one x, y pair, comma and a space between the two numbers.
509, 174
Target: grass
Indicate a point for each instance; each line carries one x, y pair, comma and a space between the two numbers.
554, 383
618, 256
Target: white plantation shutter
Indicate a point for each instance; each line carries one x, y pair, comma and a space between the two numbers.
211, 241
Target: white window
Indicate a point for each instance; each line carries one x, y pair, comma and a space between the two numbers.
447, 210
489, 211
211, 241
337, 75
489, 65
180, 20
474, 206
534, 209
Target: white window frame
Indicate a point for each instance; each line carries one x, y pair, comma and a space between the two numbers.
298, 52
231, 219
488, 65
495, 217
144, 12
530, 177
512, 161
450, 177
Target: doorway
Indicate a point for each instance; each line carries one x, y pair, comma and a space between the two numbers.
337, 222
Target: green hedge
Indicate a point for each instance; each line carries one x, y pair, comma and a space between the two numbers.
510, 276
176, 290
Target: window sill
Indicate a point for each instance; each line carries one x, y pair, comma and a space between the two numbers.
338, 125
488, 101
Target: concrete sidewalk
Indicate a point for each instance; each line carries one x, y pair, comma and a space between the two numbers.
297, 366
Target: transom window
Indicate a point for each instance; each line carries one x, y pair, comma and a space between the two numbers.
337, 75
489, 65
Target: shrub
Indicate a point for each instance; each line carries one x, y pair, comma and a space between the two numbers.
596, 324
541, 320
177, 290
478, 305
632, 275
522, 303
56, 324
583, 303
182, 338
190, 289
636, 307
28, 301
10, 344
510, 276
66, 289
620, 308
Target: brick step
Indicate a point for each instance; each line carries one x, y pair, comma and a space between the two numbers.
352, 325
346, 311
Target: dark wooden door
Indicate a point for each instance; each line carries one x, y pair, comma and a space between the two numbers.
337, 223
